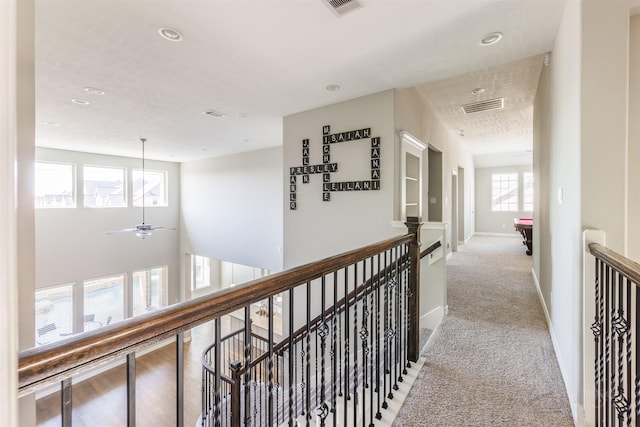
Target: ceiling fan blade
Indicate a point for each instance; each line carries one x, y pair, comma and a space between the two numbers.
162, 228
124, 230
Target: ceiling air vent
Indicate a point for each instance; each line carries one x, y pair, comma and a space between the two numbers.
490, 104
340, 7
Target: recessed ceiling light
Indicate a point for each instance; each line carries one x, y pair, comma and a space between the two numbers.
94, 90
80, 101
50, 123
333, 87
242, 115
205, 149
170, 34
215, 114
491, 38
477, 91
246, 140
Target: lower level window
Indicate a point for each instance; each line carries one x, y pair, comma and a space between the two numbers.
54, 313
103, 301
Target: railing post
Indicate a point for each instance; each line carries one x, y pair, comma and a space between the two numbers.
235, 367
414, 224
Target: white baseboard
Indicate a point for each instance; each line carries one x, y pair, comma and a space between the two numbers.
482, 233
432, 319
573, 403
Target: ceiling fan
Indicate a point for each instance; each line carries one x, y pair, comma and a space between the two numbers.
142, 230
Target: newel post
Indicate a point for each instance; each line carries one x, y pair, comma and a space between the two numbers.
414, 224
235, 368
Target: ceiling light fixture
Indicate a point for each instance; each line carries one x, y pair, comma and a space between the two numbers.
50, 123
94, 90
80, 101
477, 91
214, 114
491, 38
170, 34
242, 115
333, 87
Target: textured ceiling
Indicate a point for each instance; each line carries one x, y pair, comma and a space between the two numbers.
495, 131
257, 61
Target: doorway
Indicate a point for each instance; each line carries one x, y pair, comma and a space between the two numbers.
460, 206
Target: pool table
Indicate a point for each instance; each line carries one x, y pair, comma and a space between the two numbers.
525, 227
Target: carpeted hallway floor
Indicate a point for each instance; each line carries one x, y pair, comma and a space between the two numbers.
490, 362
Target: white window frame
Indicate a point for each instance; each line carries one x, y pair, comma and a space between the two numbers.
73, 185
137, 202
124, 186
512, 181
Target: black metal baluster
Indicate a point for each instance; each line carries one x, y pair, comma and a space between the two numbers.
378, 361
607, 328
248, 344
371, 332
292, 353
180, 379
402, 271
398, 329
270, 363
355, 344
66, 402
323, 330
408, 294
295, 374
620, 328
334, 359
217, 364
637, 356
392, 330
308, 359
364, 338
596, 328
628, 352
347, 395
131, 389
386, 332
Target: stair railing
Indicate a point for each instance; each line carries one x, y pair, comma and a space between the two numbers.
386, 311
340, 367
616, 329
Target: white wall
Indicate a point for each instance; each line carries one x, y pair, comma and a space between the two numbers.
232, 208
579, 150
415, 115
8, 220
317, 229
488, 221
71, 244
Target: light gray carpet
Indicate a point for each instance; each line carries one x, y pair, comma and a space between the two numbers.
490, 362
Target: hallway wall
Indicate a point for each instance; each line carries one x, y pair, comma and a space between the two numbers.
579, 159
415, 115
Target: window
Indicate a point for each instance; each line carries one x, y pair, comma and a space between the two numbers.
104, 187
148, 288
153, 188
54, 313
504, 192
527, 191
103, 301
200, 272
55, 185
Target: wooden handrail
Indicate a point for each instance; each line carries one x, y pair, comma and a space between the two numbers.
430, 249
627, 267
41, 366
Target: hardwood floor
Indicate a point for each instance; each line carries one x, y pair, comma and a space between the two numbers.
101, 399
